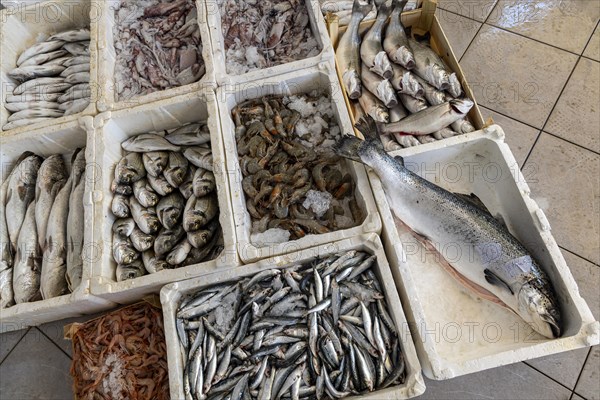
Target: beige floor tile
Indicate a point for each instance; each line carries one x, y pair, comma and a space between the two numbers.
459, 30
474, 9
8, 341
516, 76
577, 114
576, 397
593, 48
562, 367
519, 137
587, 276
516, 381
564, 181
589, 382
566, 24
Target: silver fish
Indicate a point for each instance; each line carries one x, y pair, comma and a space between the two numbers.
155, 162
75, 237
405, 82
176, 170
499, 262
123, 251
130, 169
413, 104
37, 105
120, 206
348, 52
396, 42
78, 49
204, 182
130, 271
152, 263
148, 142
6, 253
124, 227
167, 239
119, 188
33, 98
382, 88
21, 191
430, 120
23, 74
57, 61
34, 114
43, 58
79, 77
77, 106
190, 135
200, 157
463, 126
396, 114
179, 253
141, 241
77, 60
199, 211
432, 95
42, 86
373, 106
444, 134
160, 185
145, 218
28, 261
200, 238
76, 69
144, 194
76, 35
187, 187
52, 177
39, 48
429, 66
169, 210
371, 51
23, 122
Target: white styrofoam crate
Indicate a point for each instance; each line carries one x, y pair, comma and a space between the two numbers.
107, 89
454, 333
20, 27
304, 81
63, 139
112, 128
171, 295
213, 20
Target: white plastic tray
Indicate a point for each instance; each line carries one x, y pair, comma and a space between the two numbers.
107, 94
112, 128
228, 97
19, 28
213, 19
454, 333
171, 294
58, 139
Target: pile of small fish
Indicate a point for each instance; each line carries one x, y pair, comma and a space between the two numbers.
262, 34
343, 9
318, 330
165, 202
121, 355
399, 81
41, 228
158, 46
53, 80
291, 186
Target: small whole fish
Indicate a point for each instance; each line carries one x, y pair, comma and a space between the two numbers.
75, 237
187, 187
348, 51
200, 157
78, 77
77, 49
190, 135
371, 51
199, 211
77, 106
124, 227
176, 169
413, 104
42, 86
145, 218
155, 162
123, 251
39, 48
152, 263
23, 122
33, 98
52, 177
141, 241
204, 182
76, 35
201, 238
160, 185
429, 66
22, 74
76, 69
405, 82
43, 58
373, 106
170, 209
35, 105
500, 263
144, 194
34, 114
432, 95
148, 142
77, 60
431, 119
381, 88
463, 126
179, 253
167, 239
28, 261
130, 271
396, 43
6, 253
130, 169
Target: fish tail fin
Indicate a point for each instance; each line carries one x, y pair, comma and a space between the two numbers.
348, 147
368, 127
351, 147
398, 6
357, 8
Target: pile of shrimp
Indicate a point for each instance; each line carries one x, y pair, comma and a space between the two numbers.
121, 355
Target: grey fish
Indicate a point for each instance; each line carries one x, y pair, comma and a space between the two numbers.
23, 122
78, 49
371, 51
200, 157
141, 241
76, 69
28, 263
199, 211
130, 271
42, 86
52, 177
190, 135
200, 238
160, 185
39, 48
75, 95
170, 209
23, 74
120, 206
43, 58
144, 194
6, 253
429, 66
35, 113
463, 126
406, 82
152, 263
204, 182
179, 252
187, 186
413, 104
21, 191
33, 98
78, 77
77, 61
396, 43
75, 35
499, 262
444, 133
123, 251
58, 61
130, 169
46, 105
348, 52
124, 227
155, 162
381, 88
373, 106
148, 142
430, 120
75, 237
432, 95
119, 188
167, 239
145, 218
176, 170
77, 106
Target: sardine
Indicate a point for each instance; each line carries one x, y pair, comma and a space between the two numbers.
23, 74
499, 262
52, 177
373, 106
28, 261
430, 120
381, 88
39, 48
396, 42
155, 162
76, 35
371, 51
148, 142
348, 51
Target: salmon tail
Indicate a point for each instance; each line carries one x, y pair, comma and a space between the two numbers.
351, 147
368, 127
348, 147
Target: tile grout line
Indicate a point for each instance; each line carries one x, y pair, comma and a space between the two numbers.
570, 142
590, 39
475, 36
54, 343
581, 373
583, 258
548, 376
15, 346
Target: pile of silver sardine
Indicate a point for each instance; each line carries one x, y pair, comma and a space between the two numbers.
53, 80
41, 228
317, 330
165, 201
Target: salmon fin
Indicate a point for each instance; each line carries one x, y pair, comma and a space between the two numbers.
473, 200
348, 147
494, 279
